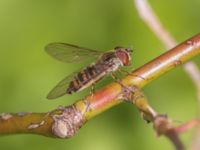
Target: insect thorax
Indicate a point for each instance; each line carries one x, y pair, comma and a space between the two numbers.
111, 62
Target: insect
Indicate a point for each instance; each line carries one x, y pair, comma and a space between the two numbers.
106, 63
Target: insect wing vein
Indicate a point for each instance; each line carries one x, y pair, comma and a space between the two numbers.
70, 53
61, 88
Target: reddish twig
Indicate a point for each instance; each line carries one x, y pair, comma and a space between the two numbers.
188, 125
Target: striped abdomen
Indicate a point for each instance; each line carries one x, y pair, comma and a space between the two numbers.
85, 78
91, 74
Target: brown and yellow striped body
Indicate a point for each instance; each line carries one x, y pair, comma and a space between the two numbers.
107, 63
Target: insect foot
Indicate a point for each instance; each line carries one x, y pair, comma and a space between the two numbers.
130, 93
68, 122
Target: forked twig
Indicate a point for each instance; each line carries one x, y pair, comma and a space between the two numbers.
149, 17
161, 123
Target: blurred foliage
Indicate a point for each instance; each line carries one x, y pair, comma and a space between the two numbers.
28, 73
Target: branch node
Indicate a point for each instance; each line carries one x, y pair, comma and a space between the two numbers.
162, 124
68, 122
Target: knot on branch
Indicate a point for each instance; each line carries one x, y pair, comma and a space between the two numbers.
162, 124
68, 122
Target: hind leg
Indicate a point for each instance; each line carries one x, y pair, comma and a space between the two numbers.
118, 80
86, 102
92, 89
130, 74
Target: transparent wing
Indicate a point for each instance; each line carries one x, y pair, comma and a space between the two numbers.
70, 53
61, 88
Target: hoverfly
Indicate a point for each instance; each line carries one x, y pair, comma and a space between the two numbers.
107, 62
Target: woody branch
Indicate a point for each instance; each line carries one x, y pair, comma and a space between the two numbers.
64, 122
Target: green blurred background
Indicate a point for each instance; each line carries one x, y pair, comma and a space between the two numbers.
27, 73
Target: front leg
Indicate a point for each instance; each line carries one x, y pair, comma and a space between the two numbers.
130, 74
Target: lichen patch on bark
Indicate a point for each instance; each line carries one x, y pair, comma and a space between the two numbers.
5, 116
36, 125
21, 114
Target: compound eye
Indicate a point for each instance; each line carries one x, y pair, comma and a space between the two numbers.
123, 56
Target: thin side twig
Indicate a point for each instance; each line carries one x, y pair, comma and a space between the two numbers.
161, 123
149, 17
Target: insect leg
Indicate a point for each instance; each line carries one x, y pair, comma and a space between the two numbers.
113, 75
86, 102
125, 88
87, 105
92, 89
128, 73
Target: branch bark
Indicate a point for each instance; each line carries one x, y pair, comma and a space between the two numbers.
64, 122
